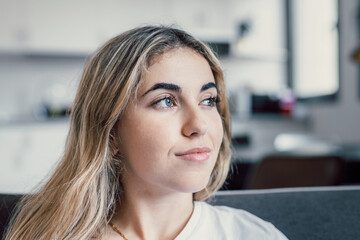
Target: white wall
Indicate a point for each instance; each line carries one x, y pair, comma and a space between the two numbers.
342, 120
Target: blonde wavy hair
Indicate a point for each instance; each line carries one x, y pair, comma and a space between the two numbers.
80, 197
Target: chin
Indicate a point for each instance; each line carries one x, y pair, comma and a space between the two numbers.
194, 185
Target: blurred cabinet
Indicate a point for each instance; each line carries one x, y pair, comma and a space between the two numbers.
29, 153
12, 25
49, 27
61, 27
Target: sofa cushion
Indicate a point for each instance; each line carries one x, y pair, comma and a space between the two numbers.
7, 205
302, 213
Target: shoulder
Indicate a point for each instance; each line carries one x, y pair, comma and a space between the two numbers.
234, 223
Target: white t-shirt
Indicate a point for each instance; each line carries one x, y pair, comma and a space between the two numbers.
225, 223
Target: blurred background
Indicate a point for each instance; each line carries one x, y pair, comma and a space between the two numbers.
291, 69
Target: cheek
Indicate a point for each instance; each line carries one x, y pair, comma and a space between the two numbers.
146, 141
153, 142
216, 129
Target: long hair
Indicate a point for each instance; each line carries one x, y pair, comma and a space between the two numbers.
80, 197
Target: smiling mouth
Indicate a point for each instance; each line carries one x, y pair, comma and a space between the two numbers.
195, 154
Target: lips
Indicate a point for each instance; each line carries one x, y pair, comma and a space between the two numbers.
195, 154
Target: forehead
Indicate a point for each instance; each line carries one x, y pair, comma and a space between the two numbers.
181, 66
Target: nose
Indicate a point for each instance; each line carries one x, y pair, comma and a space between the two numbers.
195, 123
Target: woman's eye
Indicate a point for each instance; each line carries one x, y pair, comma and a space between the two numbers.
210, 102
166, 102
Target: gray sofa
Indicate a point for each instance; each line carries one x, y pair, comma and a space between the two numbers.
312, 213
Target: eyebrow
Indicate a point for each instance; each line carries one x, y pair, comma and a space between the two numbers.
167, 86
209, 85
176, 88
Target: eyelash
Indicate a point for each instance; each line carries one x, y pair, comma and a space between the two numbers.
169, 98
213, 101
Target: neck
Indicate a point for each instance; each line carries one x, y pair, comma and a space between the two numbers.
146, 216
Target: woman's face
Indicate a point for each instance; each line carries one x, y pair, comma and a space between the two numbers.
171, 133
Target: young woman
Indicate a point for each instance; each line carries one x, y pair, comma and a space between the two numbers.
148, 141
